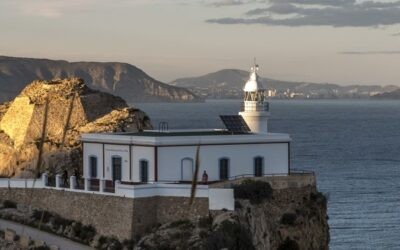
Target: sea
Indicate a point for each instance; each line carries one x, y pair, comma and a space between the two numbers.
352, 145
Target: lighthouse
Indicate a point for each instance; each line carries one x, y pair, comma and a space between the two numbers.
255, 108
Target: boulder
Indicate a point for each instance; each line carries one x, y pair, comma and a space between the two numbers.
65, 108
9, 235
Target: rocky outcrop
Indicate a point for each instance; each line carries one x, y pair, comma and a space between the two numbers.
120, 79
292, 218
72, 108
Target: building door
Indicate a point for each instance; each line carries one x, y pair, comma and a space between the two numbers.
224, 169
187, 169
144, 171
116, 168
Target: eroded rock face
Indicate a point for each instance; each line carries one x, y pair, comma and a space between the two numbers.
293, 218
72, 108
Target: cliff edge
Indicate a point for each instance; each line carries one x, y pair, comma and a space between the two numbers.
64, 109
264, 218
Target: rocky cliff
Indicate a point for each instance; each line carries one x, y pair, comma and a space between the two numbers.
292, 218
63, 109
121, 79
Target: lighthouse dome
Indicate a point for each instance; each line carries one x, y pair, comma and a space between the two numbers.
253, 84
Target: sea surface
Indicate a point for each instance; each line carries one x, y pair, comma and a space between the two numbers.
352, 145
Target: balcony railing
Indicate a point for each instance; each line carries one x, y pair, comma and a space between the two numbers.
255, 107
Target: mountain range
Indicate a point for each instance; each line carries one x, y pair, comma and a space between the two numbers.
228, 83
121, 79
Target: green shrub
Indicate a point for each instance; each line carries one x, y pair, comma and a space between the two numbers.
108, 243
9, 204
254, 191
41, 248
37, 215
180, 223
288, 219
128, 244
229, 235
205, 222
289, 244
319, 198
83, 232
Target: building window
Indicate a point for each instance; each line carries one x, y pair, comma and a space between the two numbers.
144, 170
258, 166
93, 166
116, 168
224, 169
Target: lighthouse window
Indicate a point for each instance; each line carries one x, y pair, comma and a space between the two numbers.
224, 169
258, 166
93, 166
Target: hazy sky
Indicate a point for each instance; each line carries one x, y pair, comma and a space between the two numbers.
340, 41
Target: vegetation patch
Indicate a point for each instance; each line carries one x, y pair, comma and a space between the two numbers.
254, 191
180, 223
319, 198
9, 204
205, 222
229, 235
289, 244
288, 219
109, 243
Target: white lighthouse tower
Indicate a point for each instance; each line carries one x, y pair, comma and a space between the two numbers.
255, 108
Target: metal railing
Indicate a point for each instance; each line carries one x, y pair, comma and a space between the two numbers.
255, 107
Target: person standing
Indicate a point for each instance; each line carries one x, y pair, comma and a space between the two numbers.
204, 179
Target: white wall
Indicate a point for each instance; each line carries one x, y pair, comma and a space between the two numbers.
169, 161
221, 198
241, 159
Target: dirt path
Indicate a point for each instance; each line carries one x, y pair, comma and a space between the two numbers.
50, 239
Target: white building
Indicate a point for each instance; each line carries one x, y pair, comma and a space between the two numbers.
170, 156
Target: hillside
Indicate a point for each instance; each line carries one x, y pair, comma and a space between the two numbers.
228, 83
392, 95
121, 79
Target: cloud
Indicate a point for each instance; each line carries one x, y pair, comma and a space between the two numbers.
396, 34
383, 52
59, 8
336, 13
52, 8
222, 3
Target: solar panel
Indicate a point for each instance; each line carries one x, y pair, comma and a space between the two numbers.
235, 124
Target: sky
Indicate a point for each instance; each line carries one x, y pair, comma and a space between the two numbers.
336, 41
